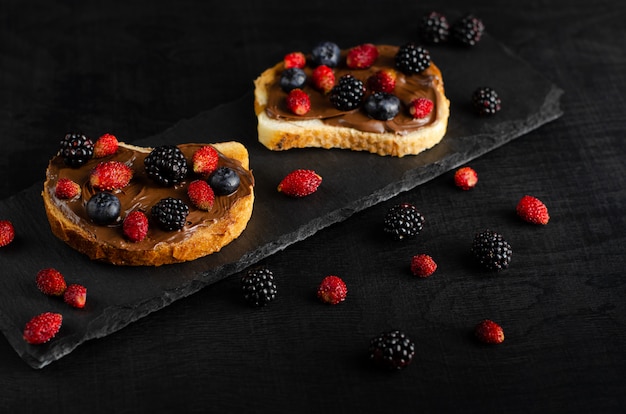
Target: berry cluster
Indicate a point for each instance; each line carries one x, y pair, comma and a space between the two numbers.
435, 28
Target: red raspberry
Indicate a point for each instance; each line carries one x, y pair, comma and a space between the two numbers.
489, 332
421, 107
66, 189
51, 282
201, 194
332, 290
42, 328
7, 232
533, 210
323, 78
75, 296
298, 102
300, 183
465, 178
294, 60
422, 265
105, 145
135, 226
110, 175
362, 56
205, 160
382, 81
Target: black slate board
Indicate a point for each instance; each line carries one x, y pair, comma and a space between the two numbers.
353, 181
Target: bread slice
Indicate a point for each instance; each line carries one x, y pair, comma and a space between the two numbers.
278, 130
205, 232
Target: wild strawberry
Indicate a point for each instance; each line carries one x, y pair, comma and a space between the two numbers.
489, 332
135, 226
7, 232
294, 60
323, 78
298, 102
75, 295
421, 107
51, 282
110, 175
382, 81
106, 145
465, 178
66, 189
204, 161
533, 210
422, 265
362, 56
201, 194
42, 328
300, 183
332, 290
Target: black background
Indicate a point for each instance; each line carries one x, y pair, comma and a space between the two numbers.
137, 69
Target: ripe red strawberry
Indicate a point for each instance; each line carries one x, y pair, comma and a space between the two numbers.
465, 178
75, 295
204, 161
201, 194
422, 265
300, 183
298, 102
7, 232
362, 56
66, 189
110, 175
135, 226
323, 78
332, 290
42, 328
51, 282
533, 210
421, 107
105, 145
294, 60
489, 332
382, 81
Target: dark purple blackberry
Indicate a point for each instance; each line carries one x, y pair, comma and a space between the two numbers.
170, 213
491, 251
76, 149
486, 101
326, 53
434, 28
292, 78
468, 30
392, 350
258, 286
403, 221
382, 106
166, 165
412, 58
348, 93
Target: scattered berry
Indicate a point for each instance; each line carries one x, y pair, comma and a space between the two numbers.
103, 208
323, 78
204, 160
224, 181
382, 106
332, 290
361, 56
326, 53
166, 165
491, 251
51, 282
300, 183
76, 149
66, 189
7, 232
135, 226
258, 286
75, 295
292, 78
392, 350
422, 265
383, 80
486, 101
489, 332
170, 213
465, 178
468, 30
533, 210
403, 221
201, 194
420, 108
110, 175
434, 28
106, 145
294, 60
298, 102
348, 93
42, 328
412, 58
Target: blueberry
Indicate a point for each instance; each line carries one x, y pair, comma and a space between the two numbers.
382, 106
224, 181
292, 78
326, 53
103, 208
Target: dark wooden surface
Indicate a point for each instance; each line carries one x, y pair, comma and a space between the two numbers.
137, 69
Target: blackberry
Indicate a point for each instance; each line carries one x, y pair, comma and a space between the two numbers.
392, 350
434, 28
326, 53
292, 78
412, 58
403, 221
348, 93
468, 30
258, 286
170, 213
486, 101
76, 149
166, 165
491, 251
382, 106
